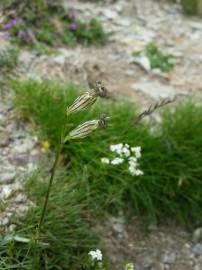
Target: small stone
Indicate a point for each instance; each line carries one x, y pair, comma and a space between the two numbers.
159, 266
197, 267
4, 221
31, 167
7, 177
109, 14
168, 258
21, 198
59, 59
166, 267
148, 262
124, 22
197, 249
118, 227
130, 72
155, 89
19, 160
5, 191
143, 62
153, 227
20, 211
24, 147
11, 228
4, 139
197, 235
26, 57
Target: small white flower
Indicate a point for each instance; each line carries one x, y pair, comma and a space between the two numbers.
132, 159
96, 255
139, 172
125, 151
105, 160
117, 161
117, 148
133, 171
137, 151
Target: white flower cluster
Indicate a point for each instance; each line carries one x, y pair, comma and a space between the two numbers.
125, 154
96, 255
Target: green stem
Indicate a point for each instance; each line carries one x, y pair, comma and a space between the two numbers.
49, 187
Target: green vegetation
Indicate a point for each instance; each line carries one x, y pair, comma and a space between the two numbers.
66, 236
158, 59
8, 58
189, 6
171, 157
86, 191
41, 23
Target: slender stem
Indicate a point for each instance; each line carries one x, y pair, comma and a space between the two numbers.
49, 187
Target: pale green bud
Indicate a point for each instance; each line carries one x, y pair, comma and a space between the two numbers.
129, 266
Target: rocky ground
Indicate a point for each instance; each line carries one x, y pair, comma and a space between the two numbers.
20, 152
134, 24
157, 247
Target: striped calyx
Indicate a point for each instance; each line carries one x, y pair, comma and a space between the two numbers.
86, 129
82, 102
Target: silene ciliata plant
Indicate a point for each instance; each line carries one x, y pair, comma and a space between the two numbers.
83, 102
83, 130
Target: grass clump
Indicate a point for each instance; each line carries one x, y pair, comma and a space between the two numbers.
189, 6
66, 237
170, 186
8, 58
157, 59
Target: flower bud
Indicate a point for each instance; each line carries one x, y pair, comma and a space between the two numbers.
86, 129
88, 98
82, 102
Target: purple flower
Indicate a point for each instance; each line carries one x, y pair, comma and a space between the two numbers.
5, 35
72, 26
21, 34
9, 24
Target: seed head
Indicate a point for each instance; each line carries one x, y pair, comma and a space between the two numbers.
86, 129
87, 99
82, 102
